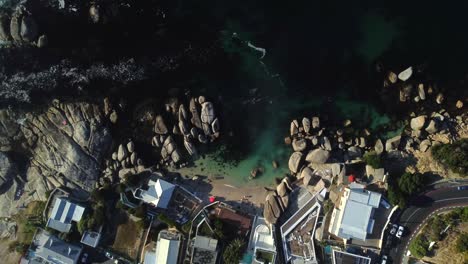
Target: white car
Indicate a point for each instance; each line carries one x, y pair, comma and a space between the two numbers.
394, 229
401, 229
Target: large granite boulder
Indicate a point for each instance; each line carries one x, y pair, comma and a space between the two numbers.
318, 156
15, 26
7, 171
207, 113
272, 210
160, 127
379, 147
29, 29
299, 144
432, 127
306, 124
406, 74
4, 28
417, 123
295, 162
122, 153
294, 127
315, 122
194, 109
393, 143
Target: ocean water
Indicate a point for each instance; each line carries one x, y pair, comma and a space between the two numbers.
267, 112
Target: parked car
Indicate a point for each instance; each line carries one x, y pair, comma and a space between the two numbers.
384, 259
109, 255
401, 229
461, 188
393, 229
385, 204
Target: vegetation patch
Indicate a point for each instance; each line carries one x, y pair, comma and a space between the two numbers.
453, 156
400, 189
127, 238
373, 159
233, 252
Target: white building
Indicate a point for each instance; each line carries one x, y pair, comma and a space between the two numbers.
48, 249
263, 241
158, 194
167, 249
353, 217
63, 213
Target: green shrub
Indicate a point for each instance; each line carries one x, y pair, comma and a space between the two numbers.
454, 156
83, 224
462, 243
418, 247
233, 252
186, 227
373, 159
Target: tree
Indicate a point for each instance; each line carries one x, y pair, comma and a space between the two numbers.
418, 247
396, 197
462, 243
163, 218
373, 159
410, 183
233, 252
97, 196
454, 156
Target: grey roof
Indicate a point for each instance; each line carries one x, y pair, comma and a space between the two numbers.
205, 243
357, 219
52, 249
63, 213
91, 238
341, 257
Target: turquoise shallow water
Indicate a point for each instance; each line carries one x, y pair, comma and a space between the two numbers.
268, 143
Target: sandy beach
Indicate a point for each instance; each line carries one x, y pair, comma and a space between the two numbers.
250, 197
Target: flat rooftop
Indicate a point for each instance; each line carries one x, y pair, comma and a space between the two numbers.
342, 257
297, 232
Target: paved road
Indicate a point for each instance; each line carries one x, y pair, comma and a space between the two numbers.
420, 209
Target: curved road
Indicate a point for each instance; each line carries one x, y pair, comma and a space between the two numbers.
420, 209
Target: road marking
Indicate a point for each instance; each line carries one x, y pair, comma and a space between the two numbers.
451, 199
412, 214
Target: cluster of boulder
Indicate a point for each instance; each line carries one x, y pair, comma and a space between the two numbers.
277, 201
21, 28
124, 161
415, 91
314, 144
195, 124
426, 129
